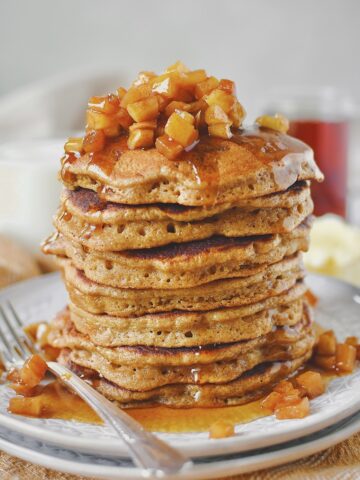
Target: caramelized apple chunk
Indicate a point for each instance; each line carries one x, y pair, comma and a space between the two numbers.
345, 357
168, 147
220, 130
326, 344
277, 122
33, 371
94, 141
175, 100
220, 98
354, 341
144, 110
221, 429
325, 362
298, 409
108, 104
312, 383
205, 87
140, 138
180, 129
74, 144
270, 401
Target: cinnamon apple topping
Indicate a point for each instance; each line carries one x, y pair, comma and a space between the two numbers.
290, 399
166, 111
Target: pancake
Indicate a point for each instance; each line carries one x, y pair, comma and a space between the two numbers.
182, 329
236, 222
249, 386
190, 265
99, 299
182, 265
63, 334
255, 162
282, 345
87, 205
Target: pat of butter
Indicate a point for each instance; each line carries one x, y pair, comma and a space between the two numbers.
334, 245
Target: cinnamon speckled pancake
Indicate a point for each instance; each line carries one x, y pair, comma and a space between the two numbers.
236, 222
183, 265
96, 298
100, 299
254, 162
250, 385
281, 344
285, 325
87, 205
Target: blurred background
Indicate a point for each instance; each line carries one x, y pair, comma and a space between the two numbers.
298, 58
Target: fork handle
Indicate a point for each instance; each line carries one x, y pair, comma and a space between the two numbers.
147, 451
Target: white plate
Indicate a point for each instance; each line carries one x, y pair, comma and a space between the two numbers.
339, 308
93, 466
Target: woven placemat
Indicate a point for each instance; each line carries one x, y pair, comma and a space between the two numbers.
341, 462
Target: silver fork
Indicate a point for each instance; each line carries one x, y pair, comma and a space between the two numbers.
152, 455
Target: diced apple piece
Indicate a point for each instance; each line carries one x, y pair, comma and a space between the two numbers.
143, 77
23, 390
354, 341
74, 144
94, 141
144, 110
168, 147
31, 407
221, 429
33, 371
325, 362
178, 67
98, 121
221, 98
277, 122
345, 357
270, 401
112, 131
123, 118
134, 94
150, 124
141, 139
284, 387
220, 130
186, 116
108, 104
215, 114
180, 130
193, 77
237, 114
312, 383
300, 409
163, 102
176, 105
166, 84
13, 376
326, 344
121, 92
195, 107
228, 86
205, 87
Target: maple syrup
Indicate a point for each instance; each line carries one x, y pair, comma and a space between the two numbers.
284, 155
56, 401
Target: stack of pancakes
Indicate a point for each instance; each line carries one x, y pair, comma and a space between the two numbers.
185, 277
